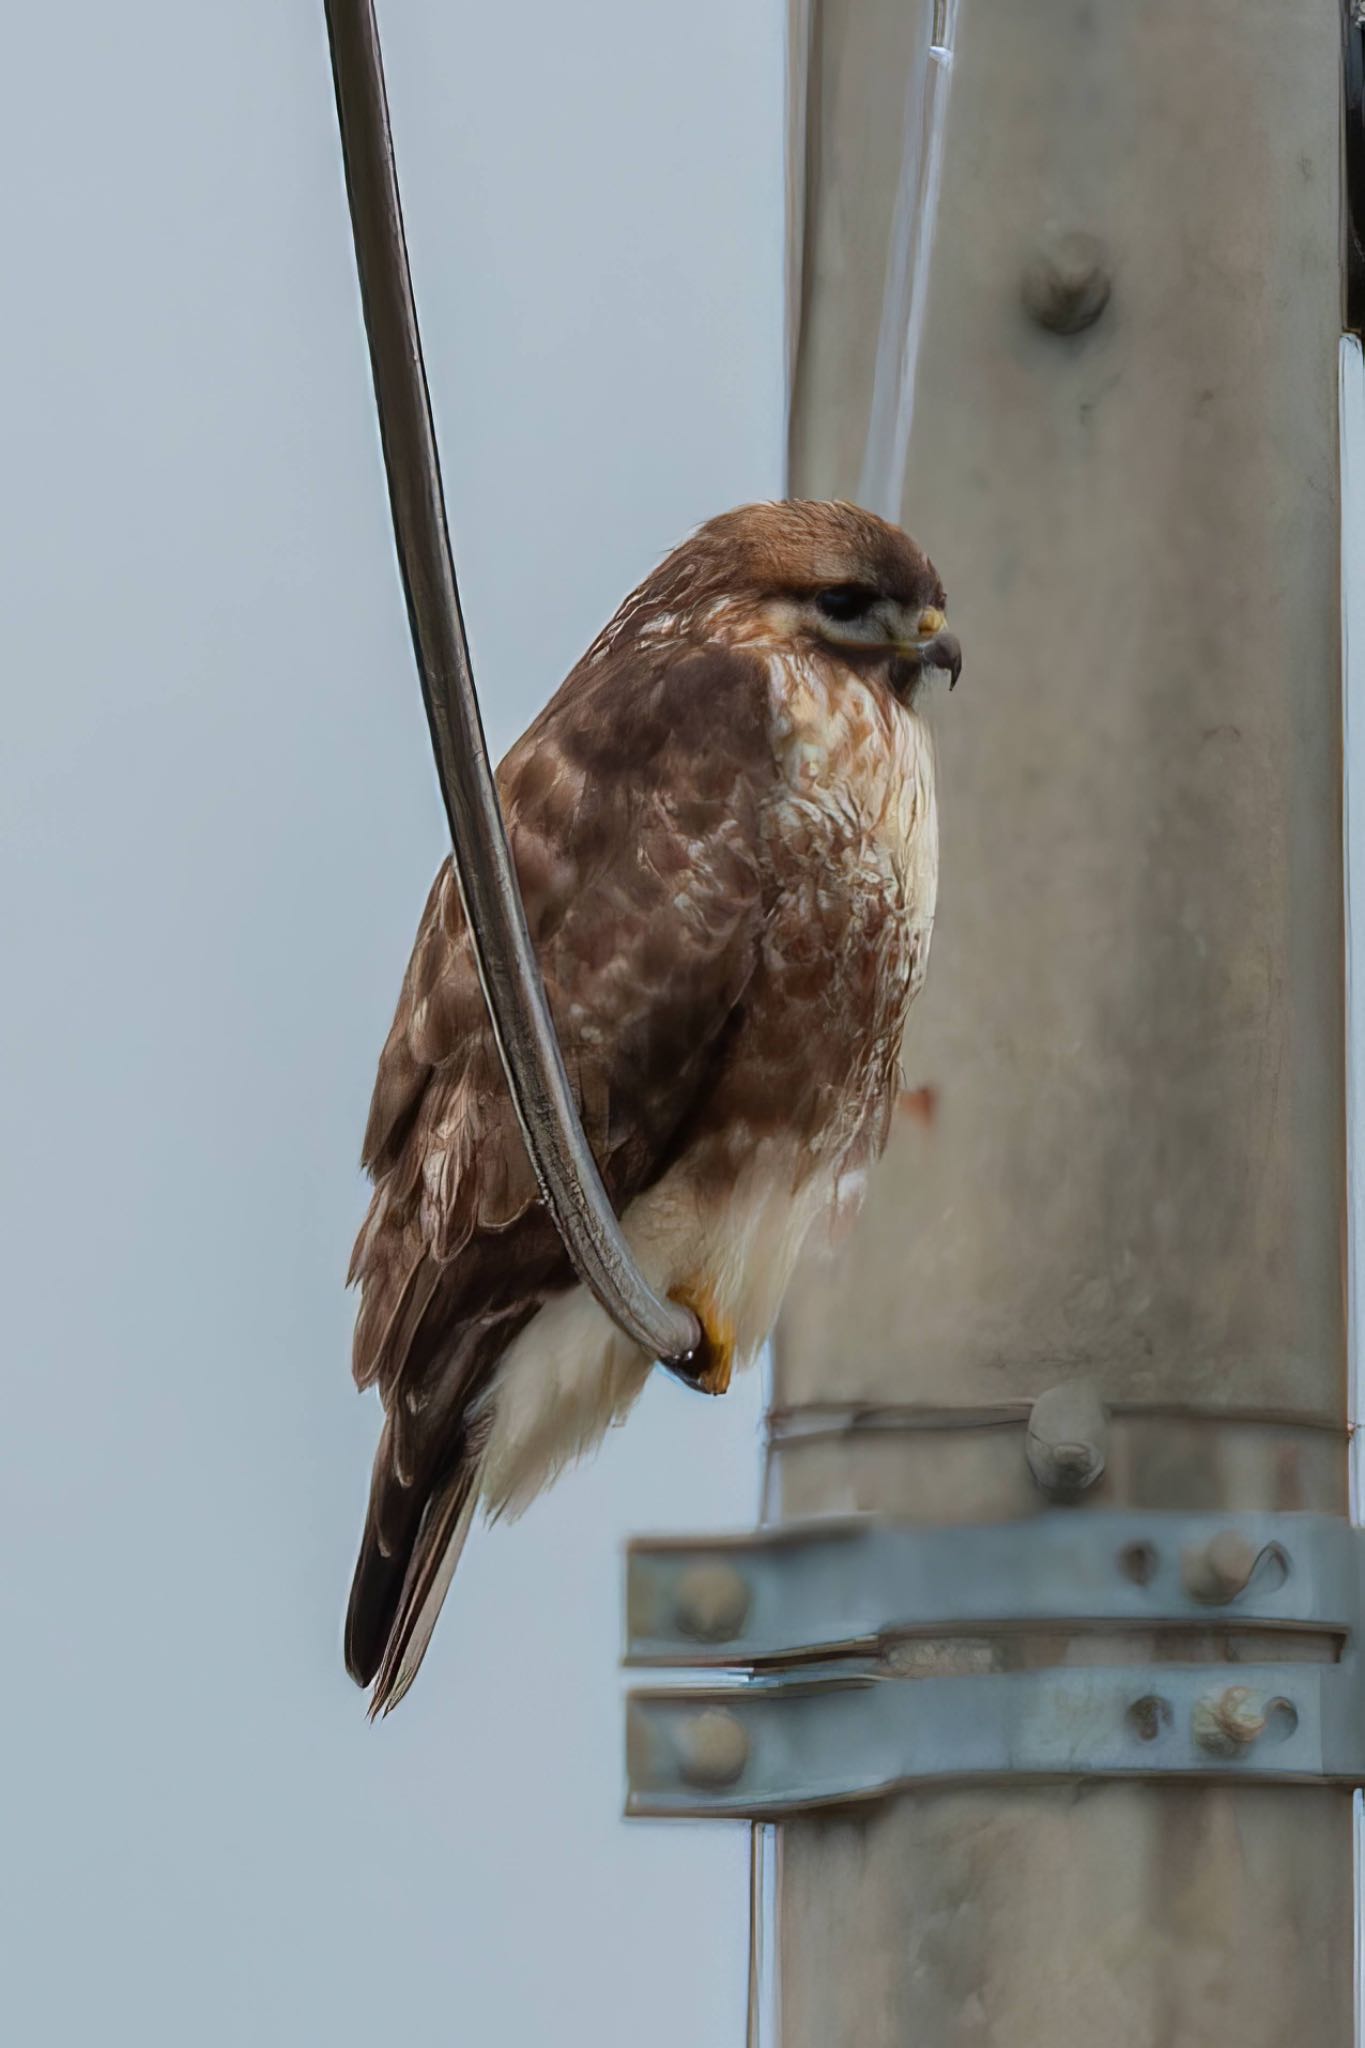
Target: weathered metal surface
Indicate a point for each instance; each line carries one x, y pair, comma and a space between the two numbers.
1132, 1028
1155, 1915
1133, 1016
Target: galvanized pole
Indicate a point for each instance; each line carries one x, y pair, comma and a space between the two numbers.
1126, 1161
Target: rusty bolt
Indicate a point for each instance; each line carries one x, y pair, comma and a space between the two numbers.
713, 1748
1216, 1572
1067, 1438
710, 1603
1228, 1722
1065, 285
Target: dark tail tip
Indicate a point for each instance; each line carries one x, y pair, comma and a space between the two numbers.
376, 1591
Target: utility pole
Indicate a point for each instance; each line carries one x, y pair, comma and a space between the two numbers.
1132, 1169
1121, 1171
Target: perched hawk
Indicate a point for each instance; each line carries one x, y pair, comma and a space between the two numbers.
725, 835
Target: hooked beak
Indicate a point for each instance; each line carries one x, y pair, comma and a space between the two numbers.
944, 651
932, 647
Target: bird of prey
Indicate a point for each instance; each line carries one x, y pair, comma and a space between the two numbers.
724, 830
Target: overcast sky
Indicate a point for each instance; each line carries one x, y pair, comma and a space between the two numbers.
220, 820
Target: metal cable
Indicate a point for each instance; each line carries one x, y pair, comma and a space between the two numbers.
508, 970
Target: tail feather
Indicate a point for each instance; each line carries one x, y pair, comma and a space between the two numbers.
426, 1481
435, 1554
407, 1559
392, 1520
376, 1590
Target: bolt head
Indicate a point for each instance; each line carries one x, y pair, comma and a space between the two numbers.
712, 1748
1217, 1571
1065, 284
710, 1603
1067, 1439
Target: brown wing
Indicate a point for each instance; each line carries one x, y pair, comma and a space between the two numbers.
632, 808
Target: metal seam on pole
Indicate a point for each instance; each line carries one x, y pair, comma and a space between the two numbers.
508, 969
818, 1421
1353, 167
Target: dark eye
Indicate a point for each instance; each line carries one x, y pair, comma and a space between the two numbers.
845, 601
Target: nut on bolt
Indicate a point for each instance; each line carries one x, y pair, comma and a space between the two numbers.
1218, 1571
710, 1603
712, 1748
1226, 1723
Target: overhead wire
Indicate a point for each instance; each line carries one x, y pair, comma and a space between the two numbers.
508, 969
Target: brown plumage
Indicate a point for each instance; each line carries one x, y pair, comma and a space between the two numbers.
724, 833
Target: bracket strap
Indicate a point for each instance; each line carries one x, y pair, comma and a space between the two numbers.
772, 1749
822, 1588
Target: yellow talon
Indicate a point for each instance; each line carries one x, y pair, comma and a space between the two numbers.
710, 1367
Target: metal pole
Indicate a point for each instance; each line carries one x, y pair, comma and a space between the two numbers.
1126, 1158
508, 969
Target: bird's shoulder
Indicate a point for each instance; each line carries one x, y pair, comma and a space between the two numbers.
632, 806
659, 714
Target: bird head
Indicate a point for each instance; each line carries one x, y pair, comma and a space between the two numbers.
828, 577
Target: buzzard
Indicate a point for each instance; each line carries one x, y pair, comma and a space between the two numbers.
724, 830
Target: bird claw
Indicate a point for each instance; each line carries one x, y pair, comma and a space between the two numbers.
709, 1366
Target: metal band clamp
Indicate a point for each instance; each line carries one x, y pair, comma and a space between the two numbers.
804, 1732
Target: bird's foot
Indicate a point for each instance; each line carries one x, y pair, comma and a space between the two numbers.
708, 1368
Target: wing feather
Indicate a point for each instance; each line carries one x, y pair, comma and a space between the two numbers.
633, 807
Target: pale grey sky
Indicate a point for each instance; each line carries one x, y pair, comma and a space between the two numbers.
219, 824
